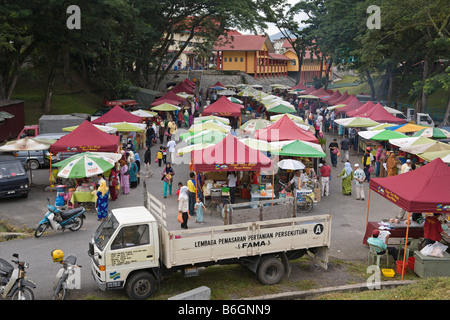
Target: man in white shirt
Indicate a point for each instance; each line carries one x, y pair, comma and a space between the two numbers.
406, 166
299, 180
232, 185
171, 148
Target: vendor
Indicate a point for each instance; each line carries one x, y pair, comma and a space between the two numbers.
299, 180
231, 182
432, 229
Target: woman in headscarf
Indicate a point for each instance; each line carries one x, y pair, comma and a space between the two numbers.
347, 177
183, 206
124, 177
113, 183
167, 177
391, 165
383, 158
133, 173
102, 200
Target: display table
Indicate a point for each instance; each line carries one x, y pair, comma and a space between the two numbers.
83, 196
425, 266
256, 196
415, 231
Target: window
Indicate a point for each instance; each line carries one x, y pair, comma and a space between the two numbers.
235, 59
131, 236
242, 59
224, 59
293, 62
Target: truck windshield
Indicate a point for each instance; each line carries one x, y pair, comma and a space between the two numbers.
11, 169
104, 231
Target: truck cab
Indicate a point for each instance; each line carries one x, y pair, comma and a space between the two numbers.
128, 237
29, 131
422, 119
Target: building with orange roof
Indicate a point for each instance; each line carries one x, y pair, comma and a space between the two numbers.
252, 54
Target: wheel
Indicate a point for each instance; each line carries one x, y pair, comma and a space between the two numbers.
76, 224
33, 164
40, 229
141, 286
270, 271
24, 294
304, 204
60, 291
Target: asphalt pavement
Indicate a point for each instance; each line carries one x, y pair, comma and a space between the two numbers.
348, 222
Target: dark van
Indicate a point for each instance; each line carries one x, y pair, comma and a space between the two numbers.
13, 177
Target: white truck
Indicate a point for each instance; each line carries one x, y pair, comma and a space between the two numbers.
422, 119
133, 250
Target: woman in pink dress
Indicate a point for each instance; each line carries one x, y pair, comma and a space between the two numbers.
124, 177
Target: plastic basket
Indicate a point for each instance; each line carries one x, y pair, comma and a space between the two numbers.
388, 273
401, 265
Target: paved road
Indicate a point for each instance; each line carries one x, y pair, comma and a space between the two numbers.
348, 224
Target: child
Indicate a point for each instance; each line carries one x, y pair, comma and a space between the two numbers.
178, 191
199, 206
159, 155
164, 151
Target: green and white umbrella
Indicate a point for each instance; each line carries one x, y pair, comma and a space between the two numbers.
84, 166
255, 124
433, 133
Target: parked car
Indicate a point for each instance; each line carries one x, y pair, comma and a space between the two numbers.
34, 159
13, 177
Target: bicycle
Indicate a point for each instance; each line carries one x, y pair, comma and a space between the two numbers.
304, 203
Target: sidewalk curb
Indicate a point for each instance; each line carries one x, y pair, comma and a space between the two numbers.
318, 292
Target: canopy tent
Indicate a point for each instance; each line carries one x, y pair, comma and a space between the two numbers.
444, 155
308, 91
427, 188
222, 107
106, 129
356, 122
308, 96
381, 126
211, 126
208, 136
291, 116
169, 96
260, 145
86, 138
427, 191
352, 104
381, 135
166, 107
377, 113
144, 113
207, 118
285, 129
117, 114
336, 95
218, 84
126, 127
182, 87
301, 149
281, 108
321, 93
230, 154
363, 108
336, 101
255, 124
423, 144
299, 87
170, 101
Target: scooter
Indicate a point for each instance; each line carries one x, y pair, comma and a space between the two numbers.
67, 278
13, 282
59, 219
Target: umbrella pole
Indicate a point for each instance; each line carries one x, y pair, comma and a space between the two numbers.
406, 243
273, 185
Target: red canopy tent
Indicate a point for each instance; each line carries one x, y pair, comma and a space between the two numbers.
285, 129
117, 114
182, 87
365, 107
320, 93
171, 96
217, 84
230, 154
334, 102
158, 102
188, 83
422, 190
299, 86
308, 91
351, 104
334, 96
86, 137
380, 114
222, 107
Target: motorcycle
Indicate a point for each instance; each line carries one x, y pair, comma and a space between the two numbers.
67, 278
59, 219
13, 282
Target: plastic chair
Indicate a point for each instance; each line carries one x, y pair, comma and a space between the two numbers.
374, 254
68, 199
413, 245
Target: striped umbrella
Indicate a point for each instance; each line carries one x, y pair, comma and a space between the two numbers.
87, 165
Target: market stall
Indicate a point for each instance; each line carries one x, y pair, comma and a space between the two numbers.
224, 108
231, 155
117, 114
424, 190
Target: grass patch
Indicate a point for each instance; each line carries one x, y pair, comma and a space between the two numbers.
9, 232
423, 289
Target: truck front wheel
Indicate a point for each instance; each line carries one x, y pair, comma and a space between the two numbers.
270, 270
141, 286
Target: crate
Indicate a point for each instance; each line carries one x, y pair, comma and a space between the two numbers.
388, 273
425, 266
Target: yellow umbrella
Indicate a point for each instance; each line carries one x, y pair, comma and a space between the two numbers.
410, 127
